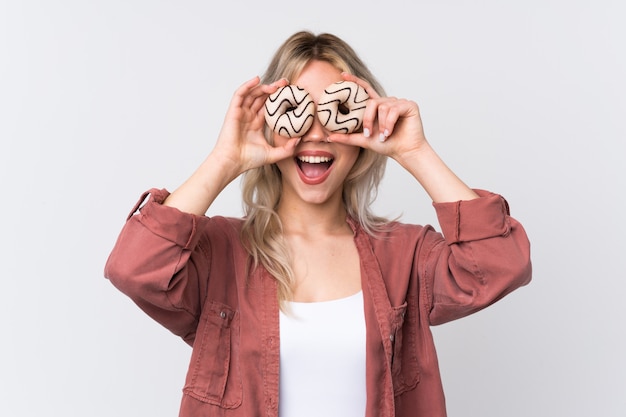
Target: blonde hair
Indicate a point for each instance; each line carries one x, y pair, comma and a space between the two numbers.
262, 229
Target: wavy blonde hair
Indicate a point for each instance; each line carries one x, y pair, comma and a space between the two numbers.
262, 229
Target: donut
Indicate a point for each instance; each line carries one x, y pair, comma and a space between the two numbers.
342, 106
290, 111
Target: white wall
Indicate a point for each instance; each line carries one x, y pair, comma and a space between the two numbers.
100, 100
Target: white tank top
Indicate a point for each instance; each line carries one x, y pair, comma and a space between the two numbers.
322, 359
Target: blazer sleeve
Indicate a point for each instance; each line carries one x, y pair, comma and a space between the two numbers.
484, 256
160, 263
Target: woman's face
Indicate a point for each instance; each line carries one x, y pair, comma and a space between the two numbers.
317, 172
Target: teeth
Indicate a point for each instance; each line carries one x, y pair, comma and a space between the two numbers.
314, 159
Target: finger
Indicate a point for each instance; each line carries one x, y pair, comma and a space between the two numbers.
382, 114
256, 104
352, 139
367, 86
398, 111
369, 117
256, 120
388, 124
258, 95
375, 111
253, 95
242, 92
278, 153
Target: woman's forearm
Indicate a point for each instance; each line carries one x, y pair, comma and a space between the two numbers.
441, 184
198, 192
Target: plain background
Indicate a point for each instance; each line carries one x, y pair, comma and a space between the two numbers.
100, 100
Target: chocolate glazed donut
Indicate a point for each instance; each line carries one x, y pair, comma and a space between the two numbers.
290, 111
342, 106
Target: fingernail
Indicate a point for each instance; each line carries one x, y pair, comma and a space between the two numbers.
277, 83
366, 132
381, 137
386, 133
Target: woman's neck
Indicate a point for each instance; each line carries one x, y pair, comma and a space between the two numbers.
313, 219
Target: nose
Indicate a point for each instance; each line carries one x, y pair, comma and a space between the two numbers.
316, 133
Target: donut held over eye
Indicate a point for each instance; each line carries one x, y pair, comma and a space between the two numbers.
342, 106
290, 111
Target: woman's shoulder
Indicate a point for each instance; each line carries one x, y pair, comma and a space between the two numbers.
224, 224
400, 228
395, 234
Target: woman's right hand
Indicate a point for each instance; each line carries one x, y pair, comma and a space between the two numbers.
240, 146
241, 142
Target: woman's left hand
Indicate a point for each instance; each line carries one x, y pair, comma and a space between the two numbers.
391, 126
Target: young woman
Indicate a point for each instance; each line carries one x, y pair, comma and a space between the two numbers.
311, 305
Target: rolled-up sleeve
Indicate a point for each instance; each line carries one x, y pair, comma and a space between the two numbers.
484, 256
153, 263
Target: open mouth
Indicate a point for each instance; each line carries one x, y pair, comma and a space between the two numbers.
314, 168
